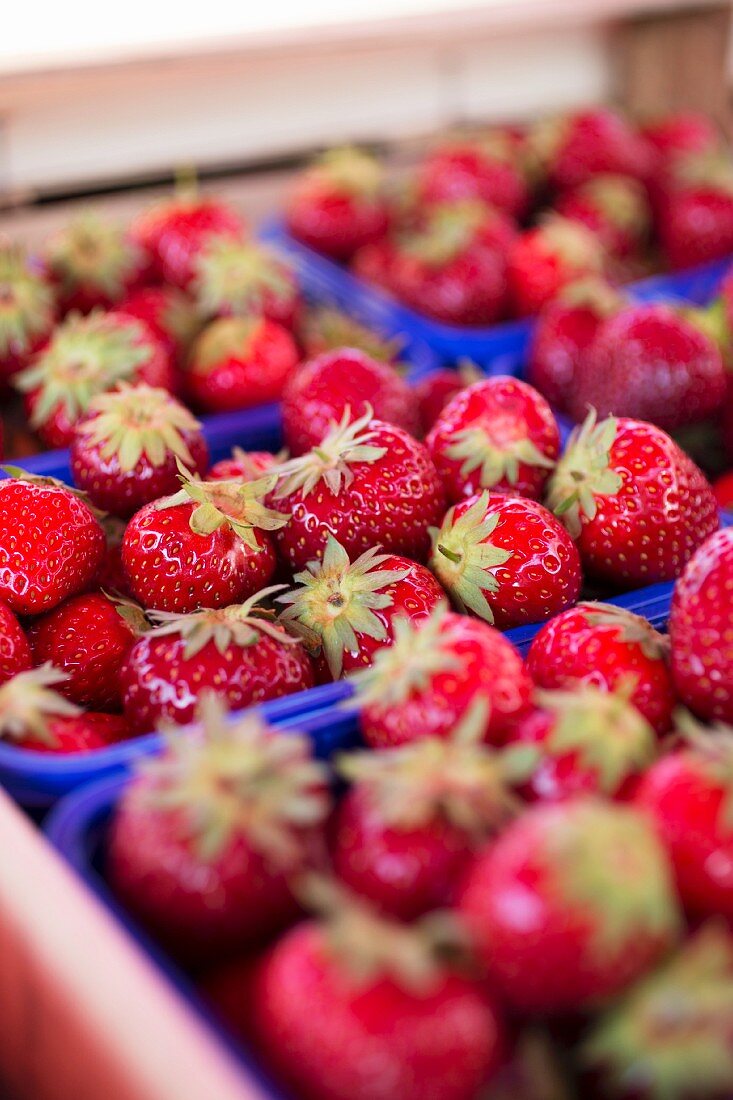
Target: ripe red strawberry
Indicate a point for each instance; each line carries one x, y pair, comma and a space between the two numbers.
88, 638
229, 814
236, 652
325, 328
544, 260
350, 610
562, 334
589, 741
670, 1036
393, 1020
338, 205
111, 574
207, 546
27, 312
723, 489
594, 142
681, 132
615, 208
93, 262
241, 279
87, 356
696, 222
453, 266
602, 646
319, 391
239, 362
243, 465
483, 166
35, 716
125, 449
426, 683
506, 559
636, 505
15, 650
699, 627
368, 484
51, 545
650, 362
570, 905
174, 232
435, 391
497, 434
169, 314
404, 833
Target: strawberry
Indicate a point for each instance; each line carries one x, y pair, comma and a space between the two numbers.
544, 260
393, 1020
111, 574
564, 330
325, 328
570, 905
615, 208
636, 505
27, 312
206, 546
338, 204
368, 484
51, 545
669, 1038
15, 650
88, 638
174, 232
723, 489
350, 610
506, 559
241, 279
425, 684
228, 812
239, 362
696, 222
87, 356
236, 652
602, 646
169, 314
650, 362
497, 434
589, 143
318, 392
681, 132
93, 263
35, 716
125, 448
452, 268
404, 832
589, 741
244, 465
440, 387
699, 627
484, 166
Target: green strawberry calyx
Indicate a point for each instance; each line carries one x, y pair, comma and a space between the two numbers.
475, 449
223, 339
85, 357
26, 304
237, 778
348, 170
233, 502
464, 556
576, 245
237, 276
592, 292
630, 628
603, 729
29, 703
327, 329
673, 1030
583, 473
338, 600
347, 443
450, 229
135, 422
621, 199
240, 625
93, 252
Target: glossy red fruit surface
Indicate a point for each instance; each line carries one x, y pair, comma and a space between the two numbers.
244, 465
485, 169
174, 232
589, 143
169, 313
15, 650
544, 260
696, 225
84, 732
239, 362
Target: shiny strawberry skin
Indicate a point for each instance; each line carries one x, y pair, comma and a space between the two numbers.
536, 272
15, 650
159, 682
570, 650
696, 225
159, 307
486, 665
318, 392
681, 132
434, 392
247, 467
174, 232
723, 489
51, 546
390, 502
506, 410
335, 223
170, 568
253, 377
465, 172
81, 733
87, 638
699, 627
650, 363
560, 338
377, 1040
595, 142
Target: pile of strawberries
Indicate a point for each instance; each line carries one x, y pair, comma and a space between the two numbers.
492, 223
